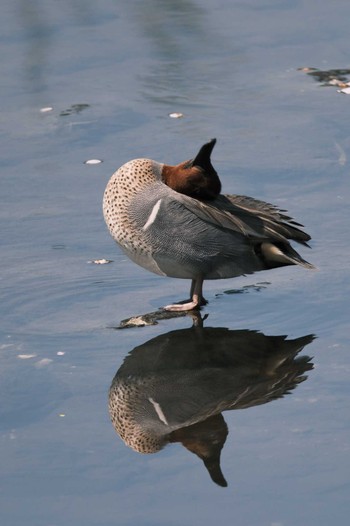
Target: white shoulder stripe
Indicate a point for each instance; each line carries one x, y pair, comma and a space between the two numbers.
152, 215
159, 411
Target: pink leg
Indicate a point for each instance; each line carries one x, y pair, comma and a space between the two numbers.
196, 298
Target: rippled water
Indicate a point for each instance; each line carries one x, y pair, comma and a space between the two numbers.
113, 73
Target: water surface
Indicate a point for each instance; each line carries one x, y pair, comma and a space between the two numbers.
112, 74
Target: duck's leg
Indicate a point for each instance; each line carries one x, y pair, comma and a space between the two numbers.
197, 289
196, 295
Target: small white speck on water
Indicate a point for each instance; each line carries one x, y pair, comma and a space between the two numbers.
342, 154
306, 69
61, 353
62, 415
101, 261
337, 82
26, 356
93, 161
6, 345
176, 115
43, 362
46, 109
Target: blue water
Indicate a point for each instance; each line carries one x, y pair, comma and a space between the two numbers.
231, 69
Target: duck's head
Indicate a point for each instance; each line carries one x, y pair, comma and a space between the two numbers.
196, 177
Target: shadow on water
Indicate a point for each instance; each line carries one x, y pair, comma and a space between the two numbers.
174, 387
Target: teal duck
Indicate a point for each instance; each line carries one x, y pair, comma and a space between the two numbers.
174, 221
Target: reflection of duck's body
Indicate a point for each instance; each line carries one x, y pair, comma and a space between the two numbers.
172, 220
174, 387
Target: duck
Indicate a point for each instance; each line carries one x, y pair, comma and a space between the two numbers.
174, 221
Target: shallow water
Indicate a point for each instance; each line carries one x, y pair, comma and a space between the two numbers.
112, 75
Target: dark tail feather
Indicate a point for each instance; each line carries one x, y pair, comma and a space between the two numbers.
280, 254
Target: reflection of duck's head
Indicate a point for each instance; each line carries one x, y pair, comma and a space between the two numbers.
206, 440
137, 418
174, 387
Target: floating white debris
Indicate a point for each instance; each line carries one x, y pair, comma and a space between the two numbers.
306, 69
62, 415
6, 346
345, 90
101, 261
176, 115
342, 154
93, 161
61, 353
43, 362
136, 321
338, 82
26, 356
46, 109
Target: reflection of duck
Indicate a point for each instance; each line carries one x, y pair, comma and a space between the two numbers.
172, 220
173, 388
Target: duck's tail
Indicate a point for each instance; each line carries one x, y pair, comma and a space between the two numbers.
280, 254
